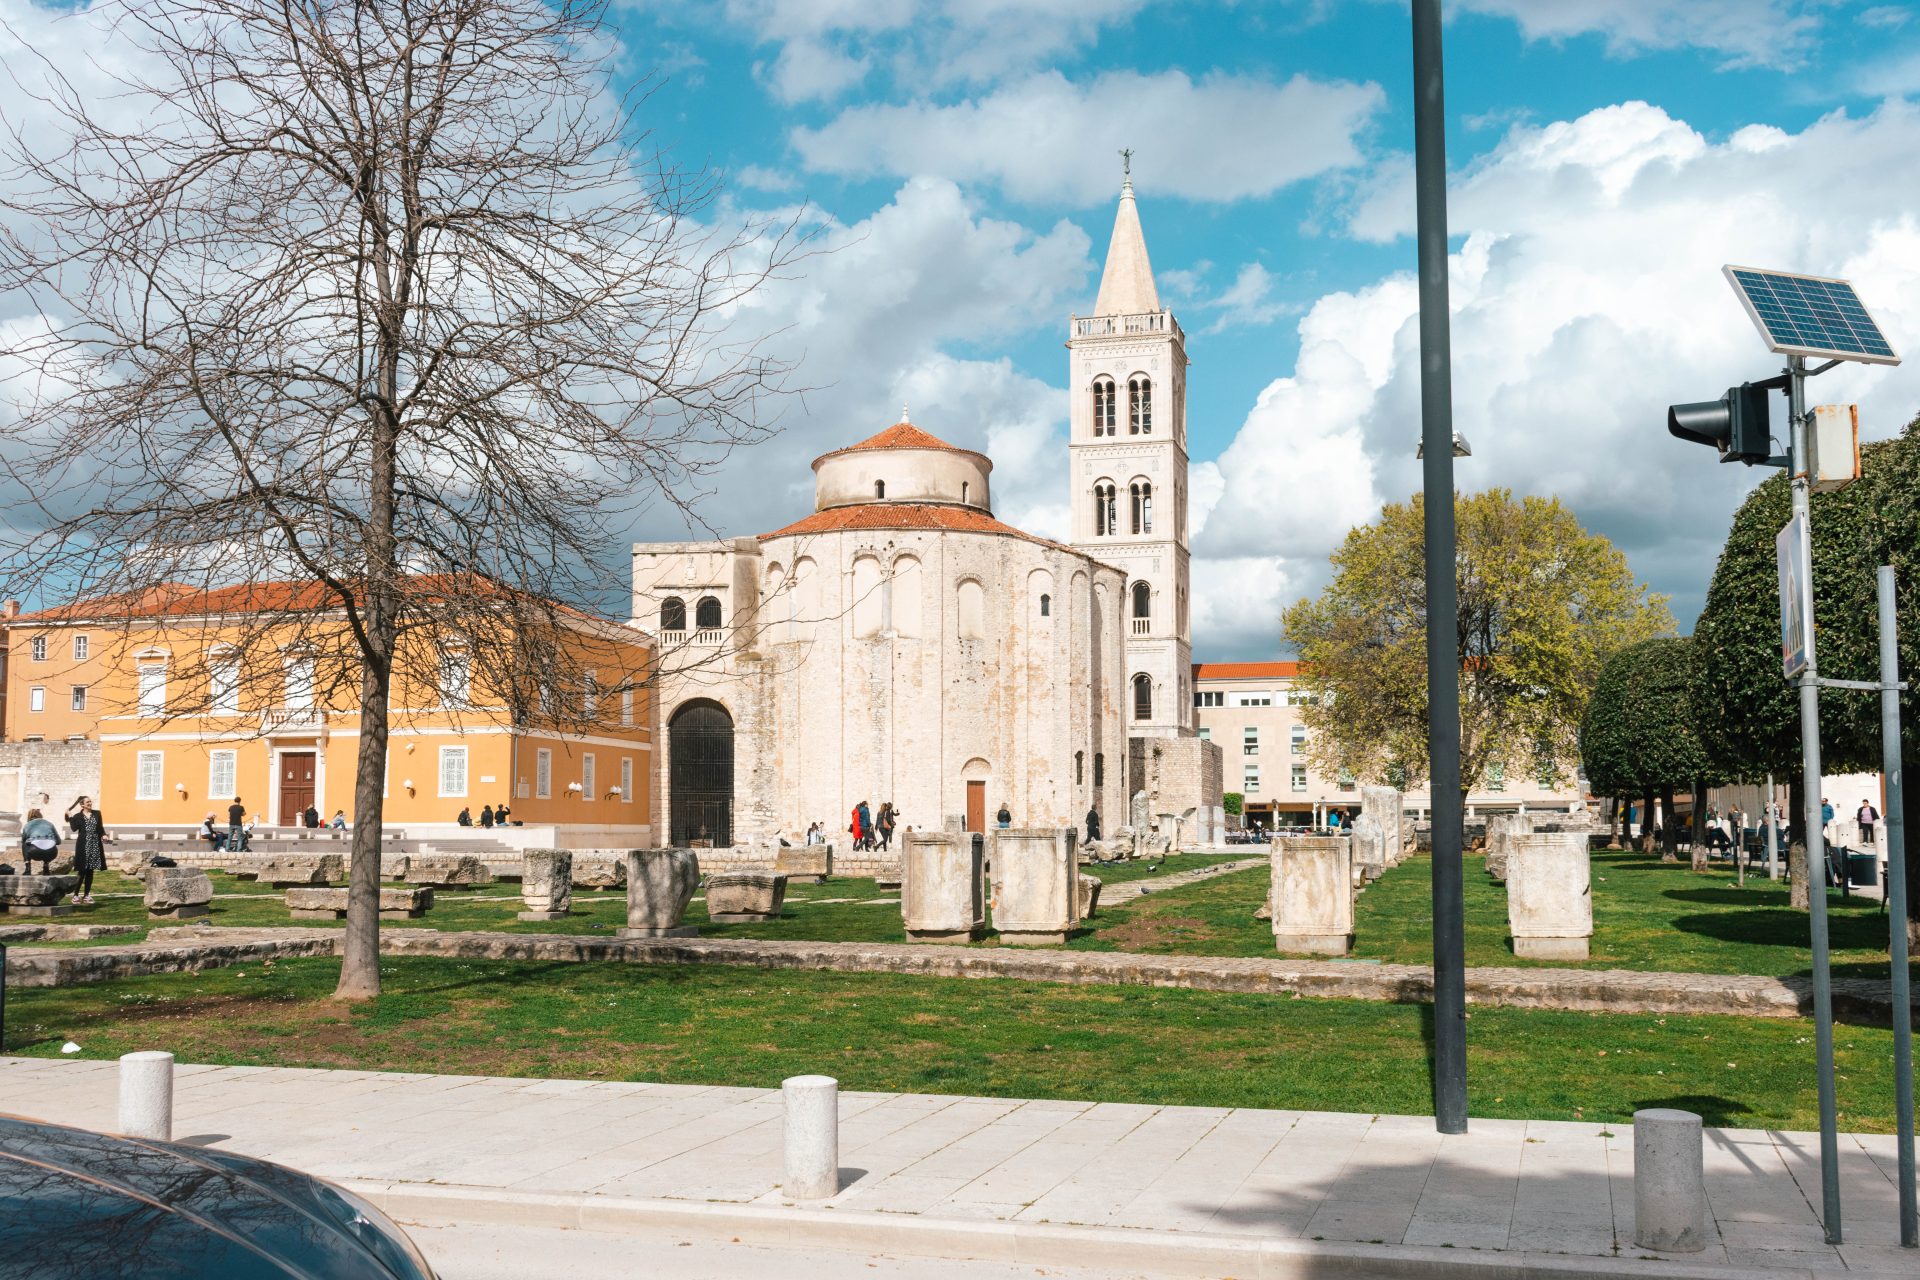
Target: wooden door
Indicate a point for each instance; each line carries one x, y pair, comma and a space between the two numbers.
976, 806
296, 786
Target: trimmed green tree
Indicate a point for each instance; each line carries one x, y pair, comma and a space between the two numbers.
1747, 714
1637, 736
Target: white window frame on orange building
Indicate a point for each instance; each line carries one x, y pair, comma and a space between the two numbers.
141, 790
448, 754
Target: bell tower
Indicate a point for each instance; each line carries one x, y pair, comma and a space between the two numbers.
1127, 443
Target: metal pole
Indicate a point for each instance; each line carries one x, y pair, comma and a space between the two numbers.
1443, 606
1816, 838
3, 995
1893, 822
1770, 817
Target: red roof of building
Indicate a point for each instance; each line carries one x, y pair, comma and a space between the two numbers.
1245, 670
904, 435
906, 515
180, 599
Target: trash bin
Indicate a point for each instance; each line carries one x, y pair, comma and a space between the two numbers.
1863, 869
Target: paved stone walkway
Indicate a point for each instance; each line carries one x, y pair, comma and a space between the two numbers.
1529, 1187
1592, 990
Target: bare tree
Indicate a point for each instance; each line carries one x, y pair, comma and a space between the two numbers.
384, 298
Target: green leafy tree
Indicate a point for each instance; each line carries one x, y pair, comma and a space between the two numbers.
1234, 803
1637, 737
1543, 603
1747, 714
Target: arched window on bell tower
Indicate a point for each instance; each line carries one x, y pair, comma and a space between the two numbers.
1141, 512
1143, 697
1106, 510
1103, 405
1142, 602
1139, 405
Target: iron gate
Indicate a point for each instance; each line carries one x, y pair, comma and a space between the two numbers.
700, 777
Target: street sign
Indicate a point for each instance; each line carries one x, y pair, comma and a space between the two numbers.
1793, 552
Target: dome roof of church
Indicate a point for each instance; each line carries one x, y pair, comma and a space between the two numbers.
939, 516
904, 435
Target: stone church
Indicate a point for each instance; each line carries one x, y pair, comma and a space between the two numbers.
902, 645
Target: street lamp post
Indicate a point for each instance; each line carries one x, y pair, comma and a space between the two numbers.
1443, 606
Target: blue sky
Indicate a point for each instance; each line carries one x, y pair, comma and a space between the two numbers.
956, 161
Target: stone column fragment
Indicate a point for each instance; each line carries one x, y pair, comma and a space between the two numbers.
1549, 896
942, 897
1312, 895
546, 884
660, 884
1036, 897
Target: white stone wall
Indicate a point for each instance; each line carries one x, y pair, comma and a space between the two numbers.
898, 665
848, 477
49, 776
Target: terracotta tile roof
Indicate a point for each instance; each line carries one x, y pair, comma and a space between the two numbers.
904, 435
907, 515
1245, 670
179, 599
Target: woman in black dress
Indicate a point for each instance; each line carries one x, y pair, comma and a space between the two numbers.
89, 845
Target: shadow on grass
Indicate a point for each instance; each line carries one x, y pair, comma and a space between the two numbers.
1710, 1107
1785, 927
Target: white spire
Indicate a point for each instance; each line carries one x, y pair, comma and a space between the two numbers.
903, 415
1126, 286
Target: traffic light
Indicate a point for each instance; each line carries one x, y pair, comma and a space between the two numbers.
1737, 424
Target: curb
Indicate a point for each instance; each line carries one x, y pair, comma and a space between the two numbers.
1039, 1244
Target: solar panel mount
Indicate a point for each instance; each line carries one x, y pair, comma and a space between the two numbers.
1814, 316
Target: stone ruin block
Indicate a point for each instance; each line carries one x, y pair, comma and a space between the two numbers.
546, 884
177, 893
331, 904
1310, 898
303, 870
36, 895
942, 898
600, 872
808, 860
1370, 855
1387, 806
1502, 828
446, 871
742, 897
660, 884
1089, 887
1036, 901
1549, 896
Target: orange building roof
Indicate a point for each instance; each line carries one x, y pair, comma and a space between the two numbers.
179, 599
904, 435
906, 515
1245, 670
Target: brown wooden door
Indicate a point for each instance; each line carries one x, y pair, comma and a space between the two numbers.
976, 806
296, 786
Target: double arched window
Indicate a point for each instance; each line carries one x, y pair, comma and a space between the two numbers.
1139, 405
1142, 494
1142, 600
673, 614
706, 614
1143, 697
1106, 510
1103, 406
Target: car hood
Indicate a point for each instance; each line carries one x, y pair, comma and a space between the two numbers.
80, 1203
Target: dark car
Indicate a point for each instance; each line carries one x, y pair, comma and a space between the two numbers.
76, 1203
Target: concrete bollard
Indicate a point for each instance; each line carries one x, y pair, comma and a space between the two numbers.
1669, 1185
146, 1095
812, 1136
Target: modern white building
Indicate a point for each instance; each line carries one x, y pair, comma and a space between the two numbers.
1253, 712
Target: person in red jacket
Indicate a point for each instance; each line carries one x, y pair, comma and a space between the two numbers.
854, 828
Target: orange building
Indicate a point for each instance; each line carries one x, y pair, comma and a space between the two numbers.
202, 697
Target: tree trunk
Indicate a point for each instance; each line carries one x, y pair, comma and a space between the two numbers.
1646, 821
1699, 825
1669, 829
1797, 895
1615, 836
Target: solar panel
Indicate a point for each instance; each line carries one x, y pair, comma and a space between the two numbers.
1810, 316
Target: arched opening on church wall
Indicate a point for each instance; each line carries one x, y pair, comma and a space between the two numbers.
879, 488
1143, 697
908, 596
1106, 510
1142, 602
868, 614
673, 614
1140, 493
700, 776
975, 775
971, 606
706, 614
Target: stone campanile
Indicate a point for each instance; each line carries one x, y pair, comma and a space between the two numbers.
1128, 449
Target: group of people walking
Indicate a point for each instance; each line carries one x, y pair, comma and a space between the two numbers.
870, 830
40, 842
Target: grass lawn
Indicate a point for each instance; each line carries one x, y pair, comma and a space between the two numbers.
1647, 915
931, 1035
1143, 868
